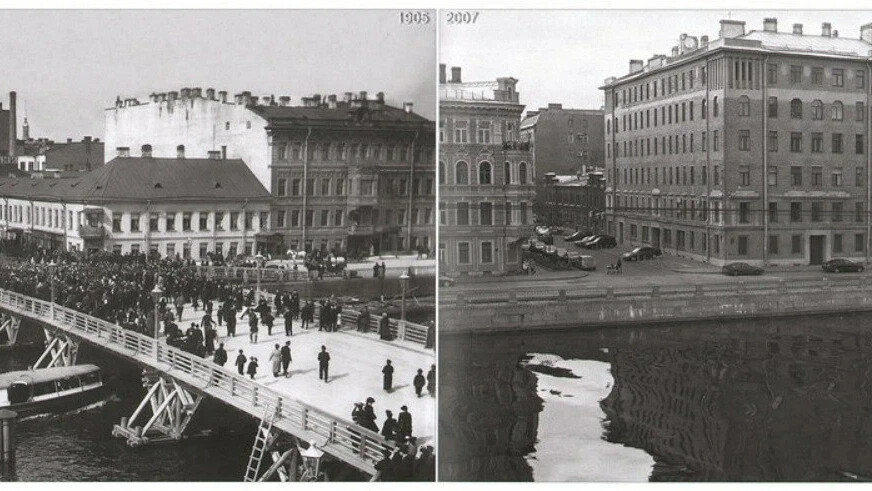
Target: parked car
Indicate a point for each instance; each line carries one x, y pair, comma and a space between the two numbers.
578, 235
446, 281
543, 230
585, 240
642, 253
741, 269
556, 230
581, 261
602, 242
839, 265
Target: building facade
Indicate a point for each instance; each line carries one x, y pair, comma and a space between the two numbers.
486, 176
753, 147
354, 175
564, 140
574, 201
184, 207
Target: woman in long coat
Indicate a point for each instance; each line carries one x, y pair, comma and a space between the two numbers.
275, 359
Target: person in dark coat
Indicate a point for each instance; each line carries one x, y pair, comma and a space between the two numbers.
404, 425
431, 381
375, 270
384, 328
363, 320
419, 382
267, 319
369, 417
388, 376
323, 364
220, 357
289, 323
389, 426
240, 362
286, 357
252, 325
210, 339
230, 318
252, 367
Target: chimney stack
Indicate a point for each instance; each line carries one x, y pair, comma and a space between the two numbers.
172, 96
123, 152
455, 75
180, 152
732, 28
380, 97
222, 95
797, 29
675, 51
442, 78
197, 92
637, 65
331, 101
285, 100
835, 33
146, 151
253, 100
186, 92
866, 32
770, 24
704, 41
407, 106
826, 29
210, 94
246, 98
214, 154
348, 96
13, 124
316, 99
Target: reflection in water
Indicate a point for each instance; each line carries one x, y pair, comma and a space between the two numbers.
770, 399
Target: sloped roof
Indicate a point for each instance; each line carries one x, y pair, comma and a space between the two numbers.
342, 112
786, 41
79, 155
142, 179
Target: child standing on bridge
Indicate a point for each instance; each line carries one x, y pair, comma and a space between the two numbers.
252, 367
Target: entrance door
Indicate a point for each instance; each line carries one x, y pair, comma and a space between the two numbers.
816, 249
620, 232
655, 237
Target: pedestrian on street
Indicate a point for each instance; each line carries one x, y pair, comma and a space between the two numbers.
389, 426
419, 382
323, 364
230, 317
431, 381
275, 359
388, 376
369, 417
289, 323
286, 357
220, 357
404, 425
252, 367
267, 320
384, 328
240, 362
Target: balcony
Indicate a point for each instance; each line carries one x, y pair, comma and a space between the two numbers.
359, 230
92, 231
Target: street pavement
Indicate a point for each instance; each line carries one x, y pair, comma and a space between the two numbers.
356, 361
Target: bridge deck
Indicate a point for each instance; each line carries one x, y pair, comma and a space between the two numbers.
334, 434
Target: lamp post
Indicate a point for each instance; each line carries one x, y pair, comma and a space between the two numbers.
311, 462
52, 267
404, 281
156, 295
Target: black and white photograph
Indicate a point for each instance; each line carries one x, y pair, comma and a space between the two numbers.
654, 229
217, 245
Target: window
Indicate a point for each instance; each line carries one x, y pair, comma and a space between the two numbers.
836, 177
186, 222
219, 220
152, 222
744, 212
522, 173
703, 111
463, 252
837, 143
838, 77
295, 187
838, 207
837, 242
295, 218
507, 173
462, 213
744, 106
742, 245
325, 187
460, 133
817, 76
773, 212
772, 107
715, 109
204, 220
325, 217
715, 144
310, 217
860, 79
817, 176
860, 112
796, 142
796, 244
772, 177
859, 180
116, 222
817, 142
795, 74
484, 173
461, 173
773, 244
134, 222
487, 255
838, 111
796, 109
858, 211
745, 140
858, 144
817, 109
795, 211
171, 221
484, 132
508, 213
772, 141
816, 211
859, 243
485, 213
772, 74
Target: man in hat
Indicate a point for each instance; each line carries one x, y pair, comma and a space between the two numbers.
368, 420
220, 357
419, 382
286, 357
323, 364
388, 376
240, 362
404, 425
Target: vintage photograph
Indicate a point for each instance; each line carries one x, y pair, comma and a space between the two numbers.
654, 227
217, 235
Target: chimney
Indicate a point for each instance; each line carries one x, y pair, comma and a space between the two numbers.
146, 151
285, 100
866, 32
13, 124
69, 140
186, 92
246, 97
770, 24
455, 75
407, 106
675, 52
123, 152
554, 105
253, 100
180, 152
637, 65
442, 77
272, 100
331, 101
197, 92
732, 28
172, 96
316, 99
797, 29
835, 33
826, 29
362, 95
210, 94
222, 95
380, 97
348, 96
704, 41
154, 97
214, 154
163, 96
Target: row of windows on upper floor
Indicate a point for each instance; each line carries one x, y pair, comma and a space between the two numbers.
742, 71
512, 214
684, 111
386, 187
511, 174
321, 151
681, 144
42, 216
206, 221
481, 132
285, 219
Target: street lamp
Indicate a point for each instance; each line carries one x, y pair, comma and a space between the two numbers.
156, 295
311, 462
404, 281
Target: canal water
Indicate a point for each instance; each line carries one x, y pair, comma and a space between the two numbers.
787, 399
79, 446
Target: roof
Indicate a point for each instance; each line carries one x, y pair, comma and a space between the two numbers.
143, 179
786, 41
529, 122
342, 112
469, 91
76, 155
44, 374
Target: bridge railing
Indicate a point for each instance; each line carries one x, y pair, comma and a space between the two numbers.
545, 294
350, 439
267, 275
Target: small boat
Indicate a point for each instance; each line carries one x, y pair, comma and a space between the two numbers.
46, 390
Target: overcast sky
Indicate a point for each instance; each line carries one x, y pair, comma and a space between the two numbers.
564, 56
68, 66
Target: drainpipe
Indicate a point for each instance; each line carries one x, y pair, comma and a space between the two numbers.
614, 96
868, 161
305, 185
765, 193
411, 190
708, 163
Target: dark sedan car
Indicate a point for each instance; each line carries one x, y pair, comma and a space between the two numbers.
576, 236
642, 253
741, 269
601, 242
842, 266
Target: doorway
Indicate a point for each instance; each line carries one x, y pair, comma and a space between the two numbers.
816, 249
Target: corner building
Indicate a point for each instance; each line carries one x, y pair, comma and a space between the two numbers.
486, 176
753, 147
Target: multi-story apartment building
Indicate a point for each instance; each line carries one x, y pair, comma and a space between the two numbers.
184, 207
753, 147
575, 201
353, 175
486, 176
564, 140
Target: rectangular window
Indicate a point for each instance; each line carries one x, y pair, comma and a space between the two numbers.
837, 242
715, 144
773, 244
337, 218
859, 175
742, 245
772, 141
838, 207
837, 143
153, 222
744, 140
773, 212
745, 176
485, 213
796, 74
795, 211
860, 79
859, 243
858, 144
796, 142
295, 187
817, 142
860, 112
817, 176
838, 77
772, 107
508, 213
219, 221
744, 212
116, 222
281, 187
204, 220
325, 187
463, 213
817, 76
859, 214
171, 221
310, 217
463, 252
295, 218
772, 73
325, 217
816, 208
186, 222
487, 255
796, 244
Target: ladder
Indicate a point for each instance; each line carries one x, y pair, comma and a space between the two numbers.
261, 442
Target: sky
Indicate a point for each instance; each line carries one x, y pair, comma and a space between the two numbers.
68, 66
563, 56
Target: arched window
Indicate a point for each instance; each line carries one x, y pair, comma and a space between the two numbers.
484, 173
838, 111
744, 106
704, 109
817, 109
522, 173
507, 172
715, 107
796, 109
441, 172
461, 175
608, 126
